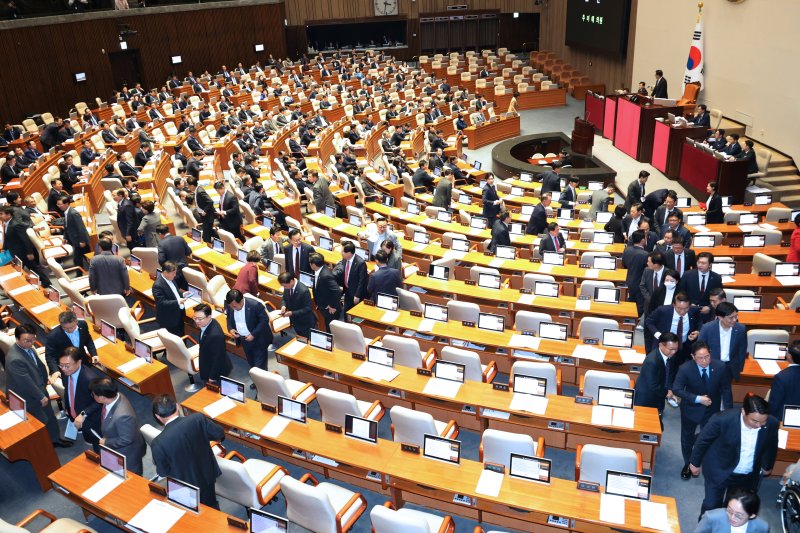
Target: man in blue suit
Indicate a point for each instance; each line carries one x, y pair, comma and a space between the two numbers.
384, 280
700, 384
784, 389
726, 339
679, 318
699, 282
735, 449
249, 325
654, 383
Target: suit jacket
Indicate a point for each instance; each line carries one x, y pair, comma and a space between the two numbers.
568, 197
750, 157
16, 240
784, 390
646, 286
690, 284
635, 260
182, 450
169, 314
204, 202
443, 193
384, 280
299, 303
52, 197
232, 220
27, 378
617, 227
84, 402
714, 213
660, 88
421, 178
490, 196
173, 248
268, 250
255, 316
547, 244
716, 521
718, 445
141, 158
709, 334
126, 219
634, 195
214, 360
289, 254
688, 386
357, 280
690, 260
120, 428
658, 220
537, 224
108, 137
655, 379
128, 169
550, 182
108, 274
56, 341
74, 228
326, 290
733, 149
322, 195
500, 236
703, 119
660, 320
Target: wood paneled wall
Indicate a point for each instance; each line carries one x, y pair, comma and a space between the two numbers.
614, 72
38, 62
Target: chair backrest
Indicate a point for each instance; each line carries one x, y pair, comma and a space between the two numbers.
476, 270
471, 361
529, 280
461, 311
409, 301
231, 246
591, 327
149, 257
774, 214
588, 286
529, 320
198, 279
537, 370
106, 307
177, 353
765, 335
72, 291
385, 520
596, 460
149, 433
448, 262
235, 484
764, 263
499, 445
410, 425
348, 337
269, 385
763, 157
716, 118
771, 236
308, 506
594, 378
129, 324
334, 405
406, 350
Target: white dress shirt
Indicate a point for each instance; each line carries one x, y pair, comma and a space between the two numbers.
241, 323
674, 326
175, 291
725, 343
747, 449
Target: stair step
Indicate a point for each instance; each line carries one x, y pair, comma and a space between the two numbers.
790, 172
782, 180
792, 201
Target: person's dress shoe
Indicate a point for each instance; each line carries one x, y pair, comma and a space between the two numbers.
63, 443
686, 473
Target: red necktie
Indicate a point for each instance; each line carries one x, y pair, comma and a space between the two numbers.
72, 397
346, 274
555, 240
680, 271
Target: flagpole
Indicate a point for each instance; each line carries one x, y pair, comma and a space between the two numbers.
699, 10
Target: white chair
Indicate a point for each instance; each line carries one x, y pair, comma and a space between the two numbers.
227, 238
775, 214
348, 337
107, 307
474, 370
323, 507
765, 335
448, 262
214, 290
592, 461
589, 285
793, 304
385, 519
408, 353
497, 446
186, 359
81, 283
538, 369
270, 385
476, 270
410, 426
529, 280
529, 320
463, 311
334, 405
248, 482
133, 330
592, 327
771, 236
764, 263
73, 292
593, 379
149, 257
56, 525
409, 301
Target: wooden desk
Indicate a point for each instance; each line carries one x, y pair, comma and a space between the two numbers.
668, 142
635, 127
490, 132
29, 441
736, 230
123, 503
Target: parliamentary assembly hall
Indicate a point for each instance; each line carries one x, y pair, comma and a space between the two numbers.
399, 266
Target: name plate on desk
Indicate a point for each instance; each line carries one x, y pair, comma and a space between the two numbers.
524, 291
359, 356
92, 456
558, 521
588, 486
585, 265
764, 274
424, 372
783, 221
416, 313
212, 388
463, 499
748, 204
534, 260
469, 282
492, 467
369, 303
157, 489
500, 386
237, 523
736, 245
422, 274
467, 324
410, 448
588, 340
732, 222
585, 400
648, 438
785, 244
333, 428
586, 240
268, 408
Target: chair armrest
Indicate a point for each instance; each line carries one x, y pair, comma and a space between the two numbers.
490, 372
214, 444
638, 462
437, 239
308, 476
578, 450
580, 385
376, 339
478, 529
558, 380
480, 452
75, 268
187, 337
447, 525
302, 390
429, 359
146, 320
264, 499
632, 382
372, 408
137, 311
34, 515
452, 424
782, 303
540, 447
356, 497
389, 505
233, 454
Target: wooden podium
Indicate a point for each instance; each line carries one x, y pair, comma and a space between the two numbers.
582, 137
668, 142
594, 110
635, 126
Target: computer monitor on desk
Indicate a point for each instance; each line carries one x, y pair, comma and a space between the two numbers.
529, 468
321, 340
362, 429
292, 409
264, 522
235, 390
442, 449
112, 461
628, 484
16, 404
183, 495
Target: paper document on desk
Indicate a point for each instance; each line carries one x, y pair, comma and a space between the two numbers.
454, 254
583, 305
44, 307
20, 290
654, 515
783, 438
591, 273
601, 415
748, 228
596, 247
441, 387
789, 281
99, 342
341, 227
281, 323
584, 351
526, 299
275, 427
390, 316
497, 262
201, 251
426, 324
131, 365
418, 247
375, 372
220, 406
612, 508
524, 341
544, 268
489, 483
156, 517
768, 366
235, 266
528, 403
8, 420
764, 225
729, 279
9, 276
474, 231
99, 490
631, 357
701, 229
622, 418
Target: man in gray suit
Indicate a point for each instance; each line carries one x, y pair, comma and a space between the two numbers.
274, 245
119, 426
601, 200
27, 376
322, 194
108, 273
444, 190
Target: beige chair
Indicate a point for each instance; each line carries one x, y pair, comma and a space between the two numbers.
348, 337
270, 385
80, 283
409, 301
133, 331
386, 519
764, 263
497, 446
408, 353
763, 157
248, 482
323, 507
186, 359
474, 370
592, 461
73, 292
593, 379
410, 426
56, 525
107, 307
149, 257
334, 405
538, 369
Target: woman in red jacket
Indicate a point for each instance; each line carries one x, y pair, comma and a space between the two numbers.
794, 244
247, 279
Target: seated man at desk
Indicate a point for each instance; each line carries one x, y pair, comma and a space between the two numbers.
422, 178
749, 155
553, 241
701, 117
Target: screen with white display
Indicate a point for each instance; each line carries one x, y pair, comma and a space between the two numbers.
231, 388
320, 339
787, 269
628, 484
292, 409
460, 245
603, 237
529, 468
695, 219
604, 262
770, 350
545, 288
553, 331
704, 241
387, 301
723, 268
530, 385
477, 223
606, 295
263, 522
552, 258
441, 449
489, 281
617, 338
615, 397
183, 494
491, 322
435, 312
747, 303
754, 241
748, 218
505, 252
444, 216
450, 371
108, 331
380, 356
421, 237
791, 416
439, 272
112, 461
361, 428
602, 217
143, 351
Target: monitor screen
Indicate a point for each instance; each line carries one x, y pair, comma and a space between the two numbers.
176, 60
108, 331
491, 322
553, 331
79, 311
604, 262
444, 216
16, 404
258, 47
115, 249
387, 301
388, 201
770, 350
747, 303
413, 208
723, 268
517, 191
194, 293
546, 288
460, 245
80, 77
477, 164
754, 241
464, 199
791, 416
435, 312
695, 219
450, 371
516, 228
273, 268
232, 389
787, 269
489, 281
241, 255
683, 202
617, 338
477, 223
606, 295
320, 339
595, 185
112, 461
325, 243
136, 263
527, 177
602, 217
264, 522
422, 237
142, 350
526, 210
307, 279
529, 468
267, 222
330, 211
297, 411
565, 213
530, 385
628, 485
439, 272
603, 237
704, 241
726, 201
362, 253
197, 235
505, 252
355, 220
361, 428
182, 494
379, 355
442, 449
54, 296
748, 218
763, 199
552, 258
615, 397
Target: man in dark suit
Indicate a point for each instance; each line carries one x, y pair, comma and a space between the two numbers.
322, 192
714, 213
636, 190
351, 274
229, 214
108, 273
679, 258
699, 282
553, 241
296, 254
27, 376
327, 294
249, 325
168, 294
632, 220
443, 193
551, 182
56, 192
652, 278
679, 318
569, 196
126, 216
726, 339
17, 241
70, 332
296, 304
182, 449
660, 218
205, 207
87, 154
701, 383
538, 221
784, 390
721, 447
214, 360
421, 177
660, 87
383, 280
654, 384
119, 425
634, 259
732, 146
500, 235
749, 155
680, 232
701, 117
491, 201
171, 247
79, 405
74, 230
